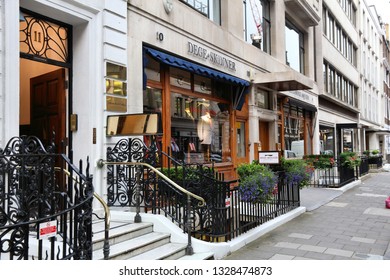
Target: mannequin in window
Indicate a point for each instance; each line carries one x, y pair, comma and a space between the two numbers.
205, 134
205, 129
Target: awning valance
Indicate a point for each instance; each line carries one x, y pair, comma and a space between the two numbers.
175, 61
181, 63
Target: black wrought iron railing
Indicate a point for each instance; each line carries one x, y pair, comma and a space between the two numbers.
227, 216
364, 167
334, 177
375, 162
44, 213
222, 217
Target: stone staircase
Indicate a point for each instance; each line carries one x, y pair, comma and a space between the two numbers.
138, 241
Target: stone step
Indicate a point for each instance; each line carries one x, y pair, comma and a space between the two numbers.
170, 251
134, 246
119, 231
138, 241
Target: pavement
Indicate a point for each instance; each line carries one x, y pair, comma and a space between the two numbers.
350, 223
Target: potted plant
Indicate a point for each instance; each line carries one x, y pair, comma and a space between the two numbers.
322, 161
375, 153
350, 160
257, 183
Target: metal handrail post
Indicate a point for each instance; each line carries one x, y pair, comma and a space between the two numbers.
137, 218
202, 202
189, 249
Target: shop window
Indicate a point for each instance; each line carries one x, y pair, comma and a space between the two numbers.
347, 140
294, 131
241, 146
152, 69
180, 78
152, 100
200, 130
202, 84
327, 140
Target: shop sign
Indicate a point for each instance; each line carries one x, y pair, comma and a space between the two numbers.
214, 58
269, 157
301, 95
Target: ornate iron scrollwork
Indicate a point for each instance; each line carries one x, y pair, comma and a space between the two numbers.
33, 191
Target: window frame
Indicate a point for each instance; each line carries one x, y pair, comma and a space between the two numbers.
301, 46
213, 14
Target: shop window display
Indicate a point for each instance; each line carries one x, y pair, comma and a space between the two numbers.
200, 130
198, 110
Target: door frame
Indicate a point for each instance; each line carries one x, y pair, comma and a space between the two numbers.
66, 63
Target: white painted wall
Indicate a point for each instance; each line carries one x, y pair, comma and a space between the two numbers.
99, 35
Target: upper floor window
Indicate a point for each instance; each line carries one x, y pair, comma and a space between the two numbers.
209, 8
257, 24
350, 10
339, 37
294, 47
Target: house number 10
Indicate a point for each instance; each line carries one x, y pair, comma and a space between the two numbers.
159, 36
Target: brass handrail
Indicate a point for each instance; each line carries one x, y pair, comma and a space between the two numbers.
137, 218
202, 202
107, 214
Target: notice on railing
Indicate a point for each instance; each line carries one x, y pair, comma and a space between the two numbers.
47, 229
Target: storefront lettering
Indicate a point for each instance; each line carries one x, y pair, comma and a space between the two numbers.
213, 57
304, 96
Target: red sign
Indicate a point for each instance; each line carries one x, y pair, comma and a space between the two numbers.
47, 229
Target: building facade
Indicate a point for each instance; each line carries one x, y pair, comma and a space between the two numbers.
239, 81
371, 86
339, 98
55, 56
386, 89
244, 68
228, 79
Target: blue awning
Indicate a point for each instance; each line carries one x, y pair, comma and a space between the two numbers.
175, 61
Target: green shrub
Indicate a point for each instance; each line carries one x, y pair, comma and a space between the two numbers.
257, 182
297, 171
350, 159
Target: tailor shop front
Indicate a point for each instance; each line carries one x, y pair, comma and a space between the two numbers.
203, 110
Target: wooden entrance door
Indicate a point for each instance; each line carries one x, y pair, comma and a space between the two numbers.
264, 135
48, 107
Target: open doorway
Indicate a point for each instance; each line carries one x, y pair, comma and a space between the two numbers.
43, 102
45, 67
